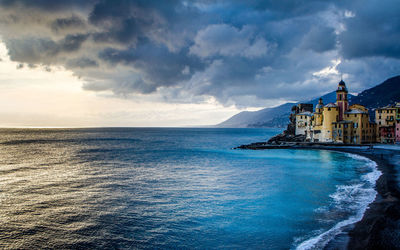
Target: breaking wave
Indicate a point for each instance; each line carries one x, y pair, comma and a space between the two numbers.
351, 199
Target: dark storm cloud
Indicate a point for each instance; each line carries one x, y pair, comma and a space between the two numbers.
373, 31
69, 23
158, 65
81, 63
47, 5
320, 39
240, 52
43, 50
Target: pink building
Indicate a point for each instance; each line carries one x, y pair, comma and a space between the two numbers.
397, 127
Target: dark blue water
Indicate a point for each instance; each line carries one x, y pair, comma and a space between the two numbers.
173, 188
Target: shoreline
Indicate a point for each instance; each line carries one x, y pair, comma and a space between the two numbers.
379, 227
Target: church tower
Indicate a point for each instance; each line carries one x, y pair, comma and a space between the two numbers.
318, 118
341, 99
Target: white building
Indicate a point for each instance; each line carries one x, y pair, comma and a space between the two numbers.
303, 123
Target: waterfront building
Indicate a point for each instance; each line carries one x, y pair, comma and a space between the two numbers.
355, 127
316, 126
339, 122
386, 119
397, 129
330, 115
303, 123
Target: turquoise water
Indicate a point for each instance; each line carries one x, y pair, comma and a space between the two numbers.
173, 188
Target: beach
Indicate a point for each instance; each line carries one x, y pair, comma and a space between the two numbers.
379, 227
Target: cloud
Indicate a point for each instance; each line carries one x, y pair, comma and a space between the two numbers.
233, 51
68, 24
82, 63
226, 40
43, 50
373, 30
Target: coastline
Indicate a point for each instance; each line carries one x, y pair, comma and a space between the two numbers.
379, 227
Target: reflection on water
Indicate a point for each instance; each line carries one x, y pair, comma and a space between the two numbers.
163, 188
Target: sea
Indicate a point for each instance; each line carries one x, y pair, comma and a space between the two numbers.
174, 188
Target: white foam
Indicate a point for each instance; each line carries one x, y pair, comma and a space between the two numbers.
356, 196
358, 157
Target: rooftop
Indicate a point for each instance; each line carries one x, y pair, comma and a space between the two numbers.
331, 105
305, 113
355, 111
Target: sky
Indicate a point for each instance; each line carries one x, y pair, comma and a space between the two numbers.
184, 63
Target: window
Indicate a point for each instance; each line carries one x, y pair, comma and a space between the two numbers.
380, 117
329, 109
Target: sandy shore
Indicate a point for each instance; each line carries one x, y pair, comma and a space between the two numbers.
380, 226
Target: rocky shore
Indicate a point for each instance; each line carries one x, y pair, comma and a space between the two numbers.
380, 225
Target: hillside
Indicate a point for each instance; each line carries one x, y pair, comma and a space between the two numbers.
381, 95
270, 117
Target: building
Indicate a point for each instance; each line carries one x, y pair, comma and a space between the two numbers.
303, 123
355, 128
341, 99
316, 126
387, 134
397, 129
386, 119
341, 123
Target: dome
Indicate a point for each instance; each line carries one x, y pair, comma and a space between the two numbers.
320, 104
342, 86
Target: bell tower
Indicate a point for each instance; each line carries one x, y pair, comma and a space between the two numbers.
341, 99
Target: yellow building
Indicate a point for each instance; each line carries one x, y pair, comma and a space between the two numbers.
386, 121
356, 127
316, 122
337, 122
385, 116
330, 115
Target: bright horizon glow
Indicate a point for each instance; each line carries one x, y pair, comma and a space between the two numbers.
37, 98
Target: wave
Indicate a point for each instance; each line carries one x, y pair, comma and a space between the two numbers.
355, 197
